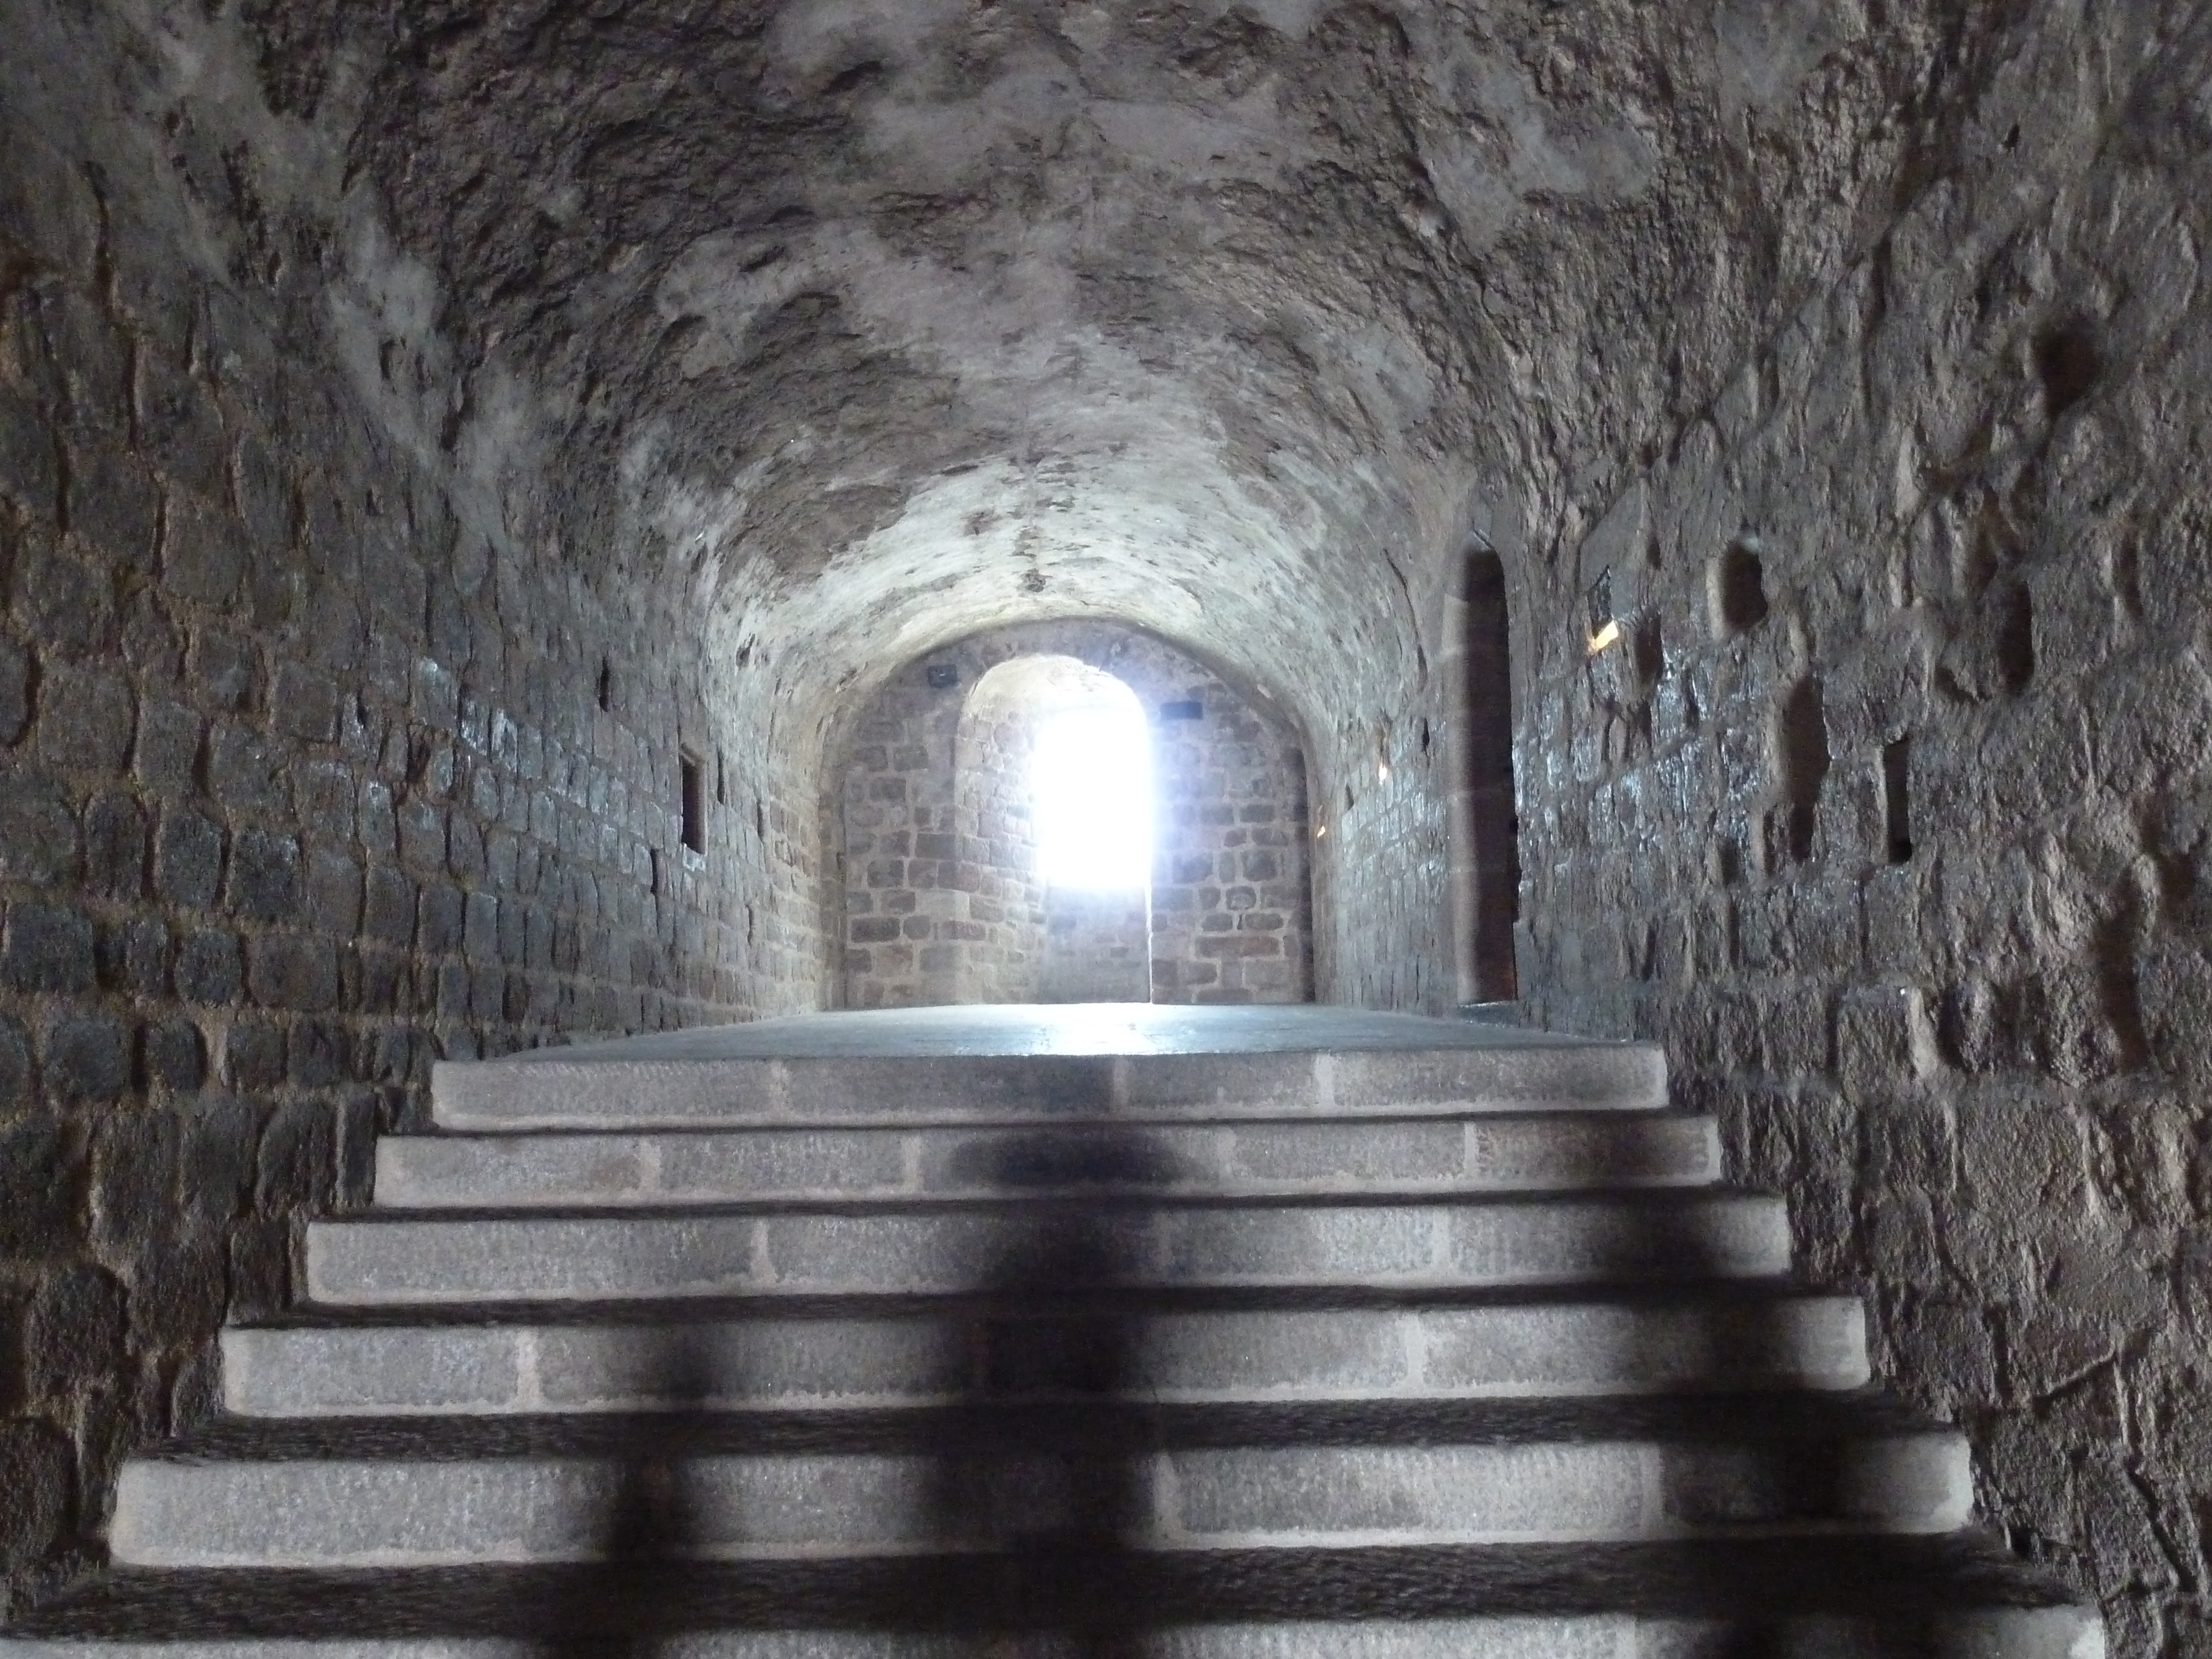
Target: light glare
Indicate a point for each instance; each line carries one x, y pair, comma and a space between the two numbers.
1091, 778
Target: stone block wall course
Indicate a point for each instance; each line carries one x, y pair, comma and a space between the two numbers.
1886, 814
1382, 863
321, 755
304, 783
1232, 896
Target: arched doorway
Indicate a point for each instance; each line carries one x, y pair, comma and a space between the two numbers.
1052, 770
1485, 884
940, 892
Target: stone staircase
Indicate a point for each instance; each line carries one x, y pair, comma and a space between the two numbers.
1292, 1333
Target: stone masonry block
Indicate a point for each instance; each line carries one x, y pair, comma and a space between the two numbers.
264, 881
71, 610
47, 947
166, 757
1884, 1039
14, 1070
40, 1173
115, 504
243, 769
253, 1054
176, 1055
84, 1056
210, 969
133, 953
323, 796
292, 971
37, 1465
188, 860
85, 720
72, 1331
223, 669
203, 553
317, 1053
441, 914
334, 892
29, 469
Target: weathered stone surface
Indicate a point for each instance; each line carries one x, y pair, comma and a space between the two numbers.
38, 844
38, 1177
134, 955
209, 968
263, 879
34, 1463
115, 845
72, 1332
69, 609
188, 860
14, 690
176, 1056
337, 1513
203, 558
47, 947
292, 971
84, 1056
1854, 364
169, 739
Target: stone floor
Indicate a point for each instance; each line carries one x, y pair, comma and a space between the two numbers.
1081, 1028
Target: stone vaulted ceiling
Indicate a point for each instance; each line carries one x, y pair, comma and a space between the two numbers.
876, 321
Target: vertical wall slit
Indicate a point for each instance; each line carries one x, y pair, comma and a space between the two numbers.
1487, 876
692, 787
1896, 801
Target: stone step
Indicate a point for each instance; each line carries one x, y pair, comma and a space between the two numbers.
1038, 1246
448, 1492
648, 1083
1865, 1597
1556, 1152
1406, 1351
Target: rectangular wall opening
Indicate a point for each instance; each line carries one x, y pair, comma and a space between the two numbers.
694, 790
1896, 801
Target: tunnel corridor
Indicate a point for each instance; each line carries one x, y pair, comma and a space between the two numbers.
1684, 524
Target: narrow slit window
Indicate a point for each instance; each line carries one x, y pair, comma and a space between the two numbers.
1896, 800
1492, 856
693, 786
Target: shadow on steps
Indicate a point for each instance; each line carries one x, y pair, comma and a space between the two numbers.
1050, 1540
1064, 1532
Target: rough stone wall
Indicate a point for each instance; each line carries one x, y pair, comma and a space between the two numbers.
1383, 866
941, 903
1232, 894
1891, 814
306, 778
993, 953
1230, 904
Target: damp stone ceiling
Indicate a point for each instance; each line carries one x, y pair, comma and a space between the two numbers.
861, 327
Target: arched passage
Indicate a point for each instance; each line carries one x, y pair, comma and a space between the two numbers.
1485, 875
943, 899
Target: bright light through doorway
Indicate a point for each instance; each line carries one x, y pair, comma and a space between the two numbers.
1091, 778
